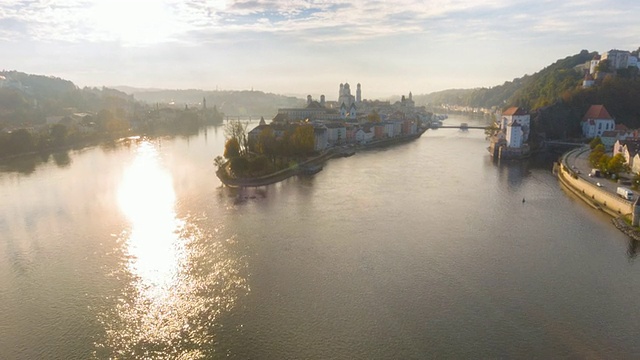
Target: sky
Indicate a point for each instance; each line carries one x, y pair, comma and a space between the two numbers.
297, 47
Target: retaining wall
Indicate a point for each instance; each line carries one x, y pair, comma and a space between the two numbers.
611, 203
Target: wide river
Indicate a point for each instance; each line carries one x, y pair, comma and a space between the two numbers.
422, 250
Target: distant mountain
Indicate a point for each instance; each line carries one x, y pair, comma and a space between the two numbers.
530, 91
232, 103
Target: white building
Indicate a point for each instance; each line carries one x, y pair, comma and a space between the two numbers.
518, 115
596, 121
618, 59
515, 135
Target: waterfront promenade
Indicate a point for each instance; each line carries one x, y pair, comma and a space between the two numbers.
596, 191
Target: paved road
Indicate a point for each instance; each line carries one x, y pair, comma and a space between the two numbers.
579, 162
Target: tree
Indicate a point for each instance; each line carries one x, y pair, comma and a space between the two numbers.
595, 142
603, 66
232, 148
617, 164
303, 140
219, 161
490, 131
237, 130
20, 141
239, 165
373, 117
266, 141
58, 135
596, 154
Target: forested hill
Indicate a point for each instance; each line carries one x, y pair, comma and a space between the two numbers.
233, 103
530, 91
27, 99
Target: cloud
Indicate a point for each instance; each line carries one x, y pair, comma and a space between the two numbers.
136, 22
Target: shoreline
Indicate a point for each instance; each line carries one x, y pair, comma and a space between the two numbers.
617, 218
282, 175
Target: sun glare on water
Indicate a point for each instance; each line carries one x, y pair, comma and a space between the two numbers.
146, 196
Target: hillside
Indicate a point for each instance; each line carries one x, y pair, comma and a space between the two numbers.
530, 91
27, 99
232, 103
555, 97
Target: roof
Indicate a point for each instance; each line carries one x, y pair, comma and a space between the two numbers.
610, 133
514, 111
621, 127
315, 105
280, 117
633, 146
597, 112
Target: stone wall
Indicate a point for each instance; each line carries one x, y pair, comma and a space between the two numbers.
611, 203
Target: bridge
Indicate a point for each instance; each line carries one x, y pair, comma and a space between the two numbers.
463, 126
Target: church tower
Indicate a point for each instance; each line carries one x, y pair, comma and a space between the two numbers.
358, 93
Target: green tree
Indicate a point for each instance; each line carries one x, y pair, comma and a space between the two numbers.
603, 163
239, 165
58, 135
603, 66
595, 142
231, 148
20, 141
596, 154
617, 164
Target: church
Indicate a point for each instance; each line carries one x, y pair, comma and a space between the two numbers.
348, 102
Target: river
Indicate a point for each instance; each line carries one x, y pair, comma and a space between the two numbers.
421, 250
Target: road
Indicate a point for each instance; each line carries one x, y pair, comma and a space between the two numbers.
578, 161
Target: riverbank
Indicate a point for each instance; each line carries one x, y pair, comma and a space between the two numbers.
570, 173
228, 180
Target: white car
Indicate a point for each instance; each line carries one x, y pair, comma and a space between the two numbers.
598, 184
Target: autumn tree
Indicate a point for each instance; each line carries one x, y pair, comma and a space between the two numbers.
373, 117
237, 130
303, 139
232, 148
266, 143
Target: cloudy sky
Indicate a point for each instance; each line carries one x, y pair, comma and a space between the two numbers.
299, 47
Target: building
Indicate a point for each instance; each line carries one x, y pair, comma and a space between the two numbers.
618, 59
588, 81
520, 116
630, 150
596, 121
515, 134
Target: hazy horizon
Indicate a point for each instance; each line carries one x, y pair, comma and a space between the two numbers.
305, 47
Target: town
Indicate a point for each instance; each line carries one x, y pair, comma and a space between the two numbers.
349, 120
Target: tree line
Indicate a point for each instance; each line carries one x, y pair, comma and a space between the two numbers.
266, 153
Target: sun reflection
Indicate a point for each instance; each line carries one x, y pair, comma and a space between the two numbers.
177, 276
146, 196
